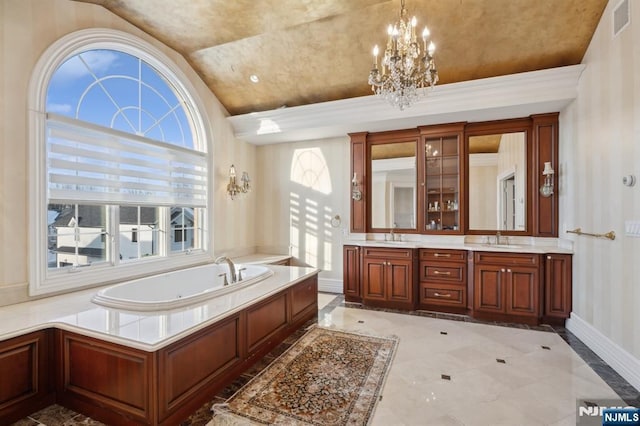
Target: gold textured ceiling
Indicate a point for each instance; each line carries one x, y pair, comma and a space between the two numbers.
309, 51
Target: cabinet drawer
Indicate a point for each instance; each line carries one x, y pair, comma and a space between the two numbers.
443, 272
497, 258
442, 294
443, 255
387, 253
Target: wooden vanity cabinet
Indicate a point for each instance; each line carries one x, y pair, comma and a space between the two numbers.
443, 280
557, 287
351, 273
507, 287
388, 277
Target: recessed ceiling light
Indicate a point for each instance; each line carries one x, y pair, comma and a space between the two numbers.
254, 78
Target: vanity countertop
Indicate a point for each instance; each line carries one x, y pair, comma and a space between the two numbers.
508, 248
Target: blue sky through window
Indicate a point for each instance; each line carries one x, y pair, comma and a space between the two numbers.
117, 90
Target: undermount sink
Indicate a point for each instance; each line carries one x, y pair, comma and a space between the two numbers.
508, 246
391, 242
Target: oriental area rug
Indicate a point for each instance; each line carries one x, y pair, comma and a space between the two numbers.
327, 377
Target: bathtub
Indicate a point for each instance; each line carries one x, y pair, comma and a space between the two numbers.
177, 288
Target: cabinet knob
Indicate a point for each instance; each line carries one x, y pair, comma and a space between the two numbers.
502, 270
509, 270
548, 257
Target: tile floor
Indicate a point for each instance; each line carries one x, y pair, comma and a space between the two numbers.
452, 372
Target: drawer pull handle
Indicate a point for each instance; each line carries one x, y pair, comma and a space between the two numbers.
441, 255
442, 295
442, 273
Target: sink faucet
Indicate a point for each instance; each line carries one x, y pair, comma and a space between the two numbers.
232, 267
498, 235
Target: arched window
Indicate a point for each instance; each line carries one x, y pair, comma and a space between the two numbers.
119, 158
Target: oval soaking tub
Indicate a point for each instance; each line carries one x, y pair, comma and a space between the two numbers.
177, 288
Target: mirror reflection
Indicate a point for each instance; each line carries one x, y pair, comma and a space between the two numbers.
497, 182
393, 185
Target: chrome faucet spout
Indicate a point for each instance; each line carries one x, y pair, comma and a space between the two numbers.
232, 267
498, 235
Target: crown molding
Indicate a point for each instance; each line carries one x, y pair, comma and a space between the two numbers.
510, 96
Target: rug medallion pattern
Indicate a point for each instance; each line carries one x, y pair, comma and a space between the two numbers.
328, 377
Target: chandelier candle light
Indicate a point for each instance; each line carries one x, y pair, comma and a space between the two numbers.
406, 70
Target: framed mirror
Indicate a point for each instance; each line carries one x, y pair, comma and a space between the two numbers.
498, 179
393, 185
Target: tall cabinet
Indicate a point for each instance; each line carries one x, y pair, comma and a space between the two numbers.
441, 170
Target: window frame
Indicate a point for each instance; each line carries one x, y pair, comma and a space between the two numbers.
45, 281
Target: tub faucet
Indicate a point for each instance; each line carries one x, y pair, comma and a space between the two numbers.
232, 267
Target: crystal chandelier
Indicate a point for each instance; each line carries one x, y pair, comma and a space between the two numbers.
406, 70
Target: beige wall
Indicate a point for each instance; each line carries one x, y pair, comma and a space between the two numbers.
303, 185
27, 28
599, 144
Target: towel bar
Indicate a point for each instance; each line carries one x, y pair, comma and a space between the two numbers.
610, 235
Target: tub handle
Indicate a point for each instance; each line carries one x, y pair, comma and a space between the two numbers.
240, 273
224, 274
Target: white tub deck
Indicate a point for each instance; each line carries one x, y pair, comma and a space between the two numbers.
148, 331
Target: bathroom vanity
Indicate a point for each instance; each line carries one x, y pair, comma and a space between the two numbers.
489, 283
451, 189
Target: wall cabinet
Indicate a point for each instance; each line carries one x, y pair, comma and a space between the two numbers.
507, 286
26, 382
442, 167
557, 287
388, 277
443, 280
434, 188
351, 273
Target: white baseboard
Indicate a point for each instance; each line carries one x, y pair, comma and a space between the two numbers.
619, 359
330, 285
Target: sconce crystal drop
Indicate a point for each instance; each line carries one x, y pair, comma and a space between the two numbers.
546, 190
356, 194
233, 189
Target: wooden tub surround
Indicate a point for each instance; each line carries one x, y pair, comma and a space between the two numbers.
113, 381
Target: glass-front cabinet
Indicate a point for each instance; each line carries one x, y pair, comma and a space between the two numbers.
442, 165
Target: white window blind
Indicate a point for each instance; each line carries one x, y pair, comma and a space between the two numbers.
90, 164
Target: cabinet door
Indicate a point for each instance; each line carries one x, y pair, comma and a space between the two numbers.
442, 173
373, 279
351, 273
489, 289
26, 375
523, 291
399, 280
557, 285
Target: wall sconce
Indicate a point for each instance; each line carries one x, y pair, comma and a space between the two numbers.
233, 189
546, 190
356, 194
